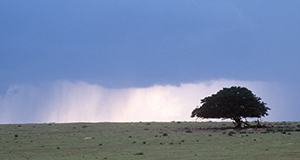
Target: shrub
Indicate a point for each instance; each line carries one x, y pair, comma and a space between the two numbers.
188, 131
84, 126
165, 134
264, 132
139, 153
231, 133
289, 130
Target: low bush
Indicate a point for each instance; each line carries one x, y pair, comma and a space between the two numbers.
139, 153
264, 132
289, 130
188, 131
84, 126
279, 130
231, 133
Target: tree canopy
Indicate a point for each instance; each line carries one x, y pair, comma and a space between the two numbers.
234, 103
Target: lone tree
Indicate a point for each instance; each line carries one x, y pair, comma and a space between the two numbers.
234, 103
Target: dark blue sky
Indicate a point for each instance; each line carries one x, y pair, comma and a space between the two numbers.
132, 43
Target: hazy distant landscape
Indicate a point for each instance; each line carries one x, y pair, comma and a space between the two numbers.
149, 140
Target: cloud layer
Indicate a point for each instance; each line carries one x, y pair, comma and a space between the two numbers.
65, 101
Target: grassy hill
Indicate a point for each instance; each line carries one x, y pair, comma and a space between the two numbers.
174, 140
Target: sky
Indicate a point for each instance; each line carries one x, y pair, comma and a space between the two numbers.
151, 60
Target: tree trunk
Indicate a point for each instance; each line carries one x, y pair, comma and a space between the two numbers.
238, 122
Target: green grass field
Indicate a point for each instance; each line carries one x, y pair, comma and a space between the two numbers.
174, 140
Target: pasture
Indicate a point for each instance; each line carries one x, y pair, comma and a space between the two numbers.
149, 140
